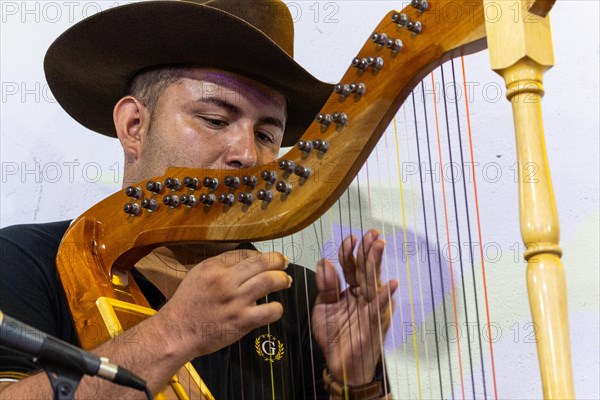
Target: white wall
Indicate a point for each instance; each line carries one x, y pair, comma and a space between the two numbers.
54, 169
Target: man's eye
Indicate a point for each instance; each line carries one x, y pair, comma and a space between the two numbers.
217, 123
264, 137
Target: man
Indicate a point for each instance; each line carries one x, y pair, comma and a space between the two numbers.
197, 84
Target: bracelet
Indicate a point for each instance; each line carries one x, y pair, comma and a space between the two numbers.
372, 390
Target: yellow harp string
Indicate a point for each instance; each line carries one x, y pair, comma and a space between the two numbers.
410, 294
416, 242
397, 261
380, 330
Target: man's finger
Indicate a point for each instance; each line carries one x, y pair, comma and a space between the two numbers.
264, 314
347, 260
384, 298
247, 264
328, 283
365, 246
371, 268
264, 283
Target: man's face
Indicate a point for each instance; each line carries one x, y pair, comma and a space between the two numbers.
213, 119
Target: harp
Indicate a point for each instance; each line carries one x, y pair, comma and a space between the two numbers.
102, 245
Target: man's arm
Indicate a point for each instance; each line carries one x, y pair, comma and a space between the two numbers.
221, 291
147, 350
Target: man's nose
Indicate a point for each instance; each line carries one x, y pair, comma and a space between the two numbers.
242, 151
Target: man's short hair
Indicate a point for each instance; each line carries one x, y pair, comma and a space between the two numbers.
148, 84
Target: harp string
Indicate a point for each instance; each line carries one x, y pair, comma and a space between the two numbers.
398, 262
457, 224
310, 338
476, 200
437, 240
347, 298
375, 277
359, 237
362, 233
447, 230
381, 337
470, 239
297, 324
415, 240
408, 275
353, 215
397, 270
386, 268
424, 212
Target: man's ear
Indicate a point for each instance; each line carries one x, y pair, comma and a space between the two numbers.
132, 120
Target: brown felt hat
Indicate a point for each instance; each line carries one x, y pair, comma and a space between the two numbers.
89, 67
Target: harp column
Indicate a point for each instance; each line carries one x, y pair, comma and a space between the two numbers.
520, 47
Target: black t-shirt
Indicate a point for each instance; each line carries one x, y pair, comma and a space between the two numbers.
280, 361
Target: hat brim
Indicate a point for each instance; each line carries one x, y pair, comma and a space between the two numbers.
89, 66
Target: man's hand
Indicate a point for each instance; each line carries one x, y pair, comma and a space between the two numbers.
215, 305
350, 325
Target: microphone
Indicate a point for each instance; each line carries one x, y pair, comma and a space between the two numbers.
19, 336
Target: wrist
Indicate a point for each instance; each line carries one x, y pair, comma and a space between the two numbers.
169, 337
341, 390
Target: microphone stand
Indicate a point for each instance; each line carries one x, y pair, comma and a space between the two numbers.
64, 363
64, 380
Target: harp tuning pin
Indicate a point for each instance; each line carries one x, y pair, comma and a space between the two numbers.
346, 90
405, 21
303, 172
304, 145
283, 187
377, 63
131, 209
340, 118
191, 183
211, 183
287, 166
246, 198
265, 195
172, 183
420, 5
415, 27
324, 120
379, 38
227, 199
134, 192
231, 181
250, 181
269, 176
400, 19
360, 89
188, 200
149, 204
171, 201
154, 187
321, 145
208, 199
395, 45
360, 63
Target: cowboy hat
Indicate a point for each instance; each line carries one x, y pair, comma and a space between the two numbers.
89, 67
